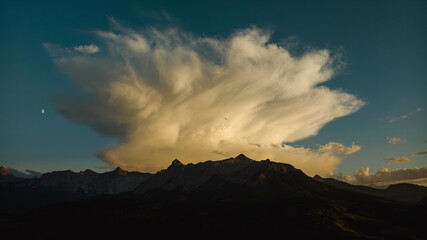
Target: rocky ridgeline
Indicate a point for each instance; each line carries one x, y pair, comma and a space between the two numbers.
92, 183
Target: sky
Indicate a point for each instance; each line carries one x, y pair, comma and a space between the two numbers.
336, 88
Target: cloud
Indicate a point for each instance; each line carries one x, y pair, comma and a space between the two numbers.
224, 154
340, 176
385, 175
58, 52
394, 119
168, 94
88, 49
397, 160
394, 140
338, 148
402, 159
312, 161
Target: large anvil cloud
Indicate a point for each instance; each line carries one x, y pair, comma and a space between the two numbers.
168, 94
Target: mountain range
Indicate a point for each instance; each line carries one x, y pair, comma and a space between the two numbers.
22, 194
7, 176
235, 197
402, 192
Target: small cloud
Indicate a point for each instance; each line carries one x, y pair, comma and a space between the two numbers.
88, 49
255, 144
340, 176
55, 50
394, 140
338, 148
394, 119
402, 159
397, 160
418, 153
225, 154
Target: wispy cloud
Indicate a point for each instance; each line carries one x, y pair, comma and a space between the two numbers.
57, 51
88, 49
402, 159
397, 160
339, 148
224, 154
168, 94
394, 119
395, 140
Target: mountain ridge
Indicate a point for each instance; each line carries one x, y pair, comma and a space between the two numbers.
7, 176
190, 176
236, 197
59, 186
5, 172
401, 192
92, 183
239, 197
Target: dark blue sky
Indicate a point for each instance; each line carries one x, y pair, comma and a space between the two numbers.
383, 44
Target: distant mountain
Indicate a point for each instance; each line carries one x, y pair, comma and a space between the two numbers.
62, 186
402, 192
92, 183
7, 176
26, 174
5, 172
232, 198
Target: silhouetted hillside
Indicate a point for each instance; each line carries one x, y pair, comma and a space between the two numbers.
403, 192
92, 183
236, 197
60, 186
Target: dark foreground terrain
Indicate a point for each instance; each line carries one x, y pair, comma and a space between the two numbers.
236, 197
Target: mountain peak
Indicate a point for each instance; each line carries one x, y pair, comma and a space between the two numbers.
239, 159
120, 171
239, 170
242, 156
5, 172
318, 178
87, 172
175, 163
